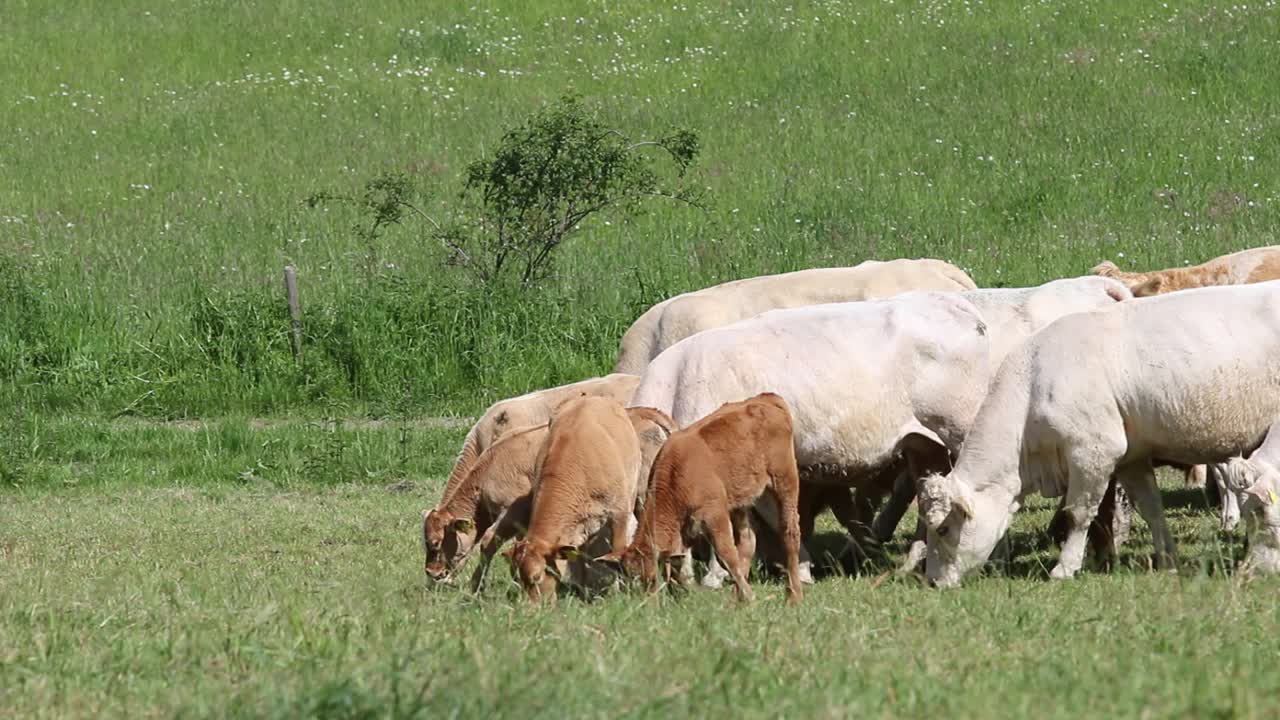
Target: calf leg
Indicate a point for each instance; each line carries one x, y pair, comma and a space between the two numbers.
746, 535
506, 527
1140, 480
786, 492
720, 527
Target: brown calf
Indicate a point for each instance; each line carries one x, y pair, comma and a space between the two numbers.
588, 478
706, 480
492, 501
1240, 268
652, 427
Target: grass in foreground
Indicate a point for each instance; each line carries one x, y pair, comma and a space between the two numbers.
135, 601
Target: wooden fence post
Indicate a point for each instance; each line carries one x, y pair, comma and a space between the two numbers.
295, 310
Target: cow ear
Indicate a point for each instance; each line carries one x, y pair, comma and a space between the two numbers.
1238, 474
1263, 493
464, 525
568, 552
962, 498
613, 561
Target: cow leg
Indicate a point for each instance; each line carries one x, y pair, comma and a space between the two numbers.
1085, 490
684, 574
720, 528
915, 553
746, 535
715, 575
1196, 475
1140, 480
886, 522
855, 509
768, 509
1109, 530
1229, 504
506, 527
622, 527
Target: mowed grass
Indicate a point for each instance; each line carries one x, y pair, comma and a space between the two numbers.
158, 157
218, 600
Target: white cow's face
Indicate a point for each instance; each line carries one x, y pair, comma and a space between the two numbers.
1260, 505
963, 528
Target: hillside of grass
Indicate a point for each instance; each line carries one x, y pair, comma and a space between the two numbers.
158, 155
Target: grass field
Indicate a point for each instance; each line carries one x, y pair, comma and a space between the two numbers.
192, 524
155, 595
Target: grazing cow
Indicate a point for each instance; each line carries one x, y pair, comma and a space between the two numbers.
875, 388
1240, 268
588, 479
1102, 393
706, 480
1255, 483
858, 377
652, 427
534, 408
674, 319
492, 502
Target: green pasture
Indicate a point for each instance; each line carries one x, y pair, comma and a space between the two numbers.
194, 524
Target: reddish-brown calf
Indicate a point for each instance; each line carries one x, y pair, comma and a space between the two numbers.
706, 479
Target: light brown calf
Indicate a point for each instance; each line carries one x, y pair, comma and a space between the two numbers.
534, 408
588, 479
1239, 268
491, 502
706, 479
652, 427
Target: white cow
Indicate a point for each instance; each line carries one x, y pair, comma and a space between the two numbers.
534, 408
674, 319
1255, 485
1189, 378
871, 385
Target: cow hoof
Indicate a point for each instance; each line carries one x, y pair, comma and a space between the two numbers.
1059, 572
915, 556
806, 573
714, 582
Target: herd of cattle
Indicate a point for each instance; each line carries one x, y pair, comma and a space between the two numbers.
738, 413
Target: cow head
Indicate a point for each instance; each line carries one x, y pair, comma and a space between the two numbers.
1257, 485
446, 540
633, 562
963, 527
538, 569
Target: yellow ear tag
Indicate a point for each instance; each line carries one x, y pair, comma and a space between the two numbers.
1272, 494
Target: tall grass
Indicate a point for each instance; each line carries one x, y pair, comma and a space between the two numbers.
157, 157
